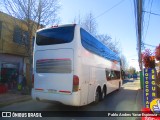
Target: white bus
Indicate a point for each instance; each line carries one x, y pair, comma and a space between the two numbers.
72, 67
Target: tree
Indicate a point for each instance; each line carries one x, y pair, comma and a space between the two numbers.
124, 63
131, 70
77, 20
34, 14
40, 11
107, 40
148, 59
88, 23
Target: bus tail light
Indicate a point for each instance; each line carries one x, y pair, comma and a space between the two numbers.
32, 80
75, 83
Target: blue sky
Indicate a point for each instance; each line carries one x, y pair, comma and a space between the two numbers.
153, 33
119, 22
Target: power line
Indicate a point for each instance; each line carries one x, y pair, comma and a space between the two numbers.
148, 20
149, 45
108, 9
152, 13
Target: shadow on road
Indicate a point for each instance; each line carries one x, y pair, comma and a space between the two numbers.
126, 99
122, 100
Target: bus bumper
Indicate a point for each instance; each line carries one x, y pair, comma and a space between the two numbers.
72, 99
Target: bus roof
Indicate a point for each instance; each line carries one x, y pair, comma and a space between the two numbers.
92, 44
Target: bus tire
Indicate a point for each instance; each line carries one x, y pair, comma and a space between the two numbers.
119, 85
104, 93
97, 96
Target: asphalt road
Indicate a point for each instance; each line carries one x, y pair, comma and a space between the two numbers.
128, 98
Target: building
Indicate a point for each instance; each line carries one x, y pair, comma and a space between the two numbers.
14, 62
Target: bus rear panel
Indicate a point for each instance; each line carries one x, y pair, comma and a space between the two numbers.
54, 77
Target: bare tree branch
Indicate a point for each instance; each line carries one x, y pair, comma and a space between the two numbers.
90, 24
124, 63
87, 23
107, 40
33, 13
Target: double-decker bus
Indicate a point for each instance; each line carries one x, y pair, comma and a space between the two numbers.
72, 67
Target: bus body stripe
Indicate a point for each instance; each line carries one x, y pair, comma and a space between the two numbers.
40, 89
64, 91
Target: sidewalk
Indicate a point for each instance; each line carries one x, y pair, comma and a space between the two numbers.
11, 97
130, 86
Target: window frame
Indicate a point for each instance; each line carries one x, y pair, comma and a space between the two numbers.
112, 72
20, 36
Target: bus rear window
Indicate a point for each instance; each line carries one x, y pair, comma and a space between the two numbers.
52, 36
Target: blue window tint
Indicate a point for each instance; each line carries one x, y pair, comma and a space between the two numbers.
58, 35
95, 46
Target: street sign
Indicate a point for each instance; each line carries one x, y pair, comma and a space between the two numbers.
149, 86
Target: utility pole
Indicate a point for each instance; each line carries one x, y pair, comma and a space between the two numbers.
139, 26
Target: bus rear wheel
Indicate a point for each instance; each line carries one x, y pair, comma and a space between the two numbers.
103, 93
119, 86
97, 96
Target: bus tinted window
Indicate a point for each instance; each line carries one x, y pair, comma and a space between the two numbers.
55, 36
95, 46
112, 75
115, 74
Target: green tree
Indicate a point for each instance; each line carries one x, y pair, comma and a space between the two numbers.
131, 70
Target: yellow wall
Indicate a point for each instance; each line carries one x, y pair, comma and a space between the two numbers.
7, 45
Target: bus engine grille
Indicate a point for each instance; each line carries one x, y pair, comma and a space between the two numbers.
53, 66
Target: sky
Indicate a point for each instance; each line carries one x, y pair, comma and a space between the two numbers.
119, 22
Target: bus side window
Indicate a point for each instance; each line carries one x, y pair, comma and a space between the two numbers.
108, 77
115, 75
